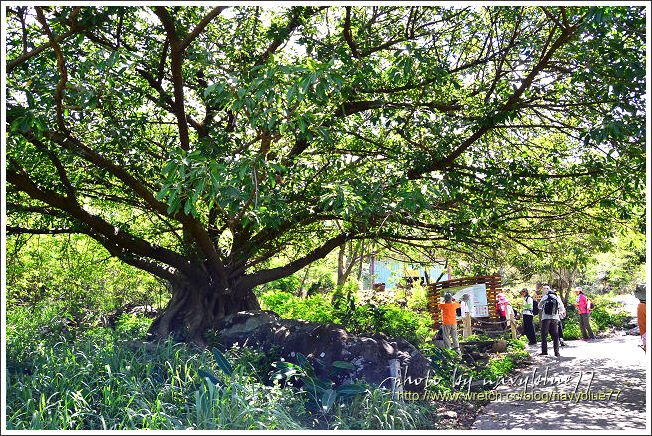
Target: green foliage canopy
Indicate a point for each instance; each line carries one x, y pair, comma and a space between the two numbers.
199, 143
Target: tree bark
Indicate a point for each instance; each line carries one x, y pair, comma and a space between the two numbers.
196, 306
345, 263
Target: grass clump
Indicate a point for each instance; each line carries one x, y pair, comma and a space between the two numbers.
60, 377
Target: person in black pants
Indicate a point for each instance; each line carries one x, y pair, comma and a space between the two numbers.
551, 311
528, 317
561, 334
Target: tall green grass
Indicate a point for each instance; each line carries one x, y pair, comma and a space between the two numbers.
65, 378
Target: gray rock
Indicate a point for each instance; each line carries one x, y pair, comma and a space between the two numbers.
633, 331
631, 324
328, 343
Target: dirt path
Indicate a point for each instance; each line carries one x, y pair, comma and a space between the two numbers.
611, 370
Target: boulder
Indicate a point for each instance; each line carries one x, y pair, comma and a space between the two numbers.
499, 346
327, 343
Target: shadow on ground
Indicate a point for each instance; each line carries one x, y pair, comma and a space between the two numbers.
614, 367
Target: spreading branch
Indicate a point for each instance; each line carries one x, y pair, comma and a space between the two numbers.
113, 238
61, 65
507, 106
266, 276
176, 66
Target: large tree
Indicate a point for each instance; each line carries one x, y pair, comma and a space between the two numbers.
197, 143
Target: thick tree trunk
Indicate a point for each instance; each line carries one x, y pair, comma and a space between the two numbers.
197, 307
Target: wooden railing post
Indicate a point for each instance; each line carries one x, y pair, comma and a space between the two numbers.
512, 323
466, 330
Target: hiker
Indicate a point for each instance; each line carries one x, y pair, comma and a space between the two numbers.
501, 308
551, 310
561, 325
584, 309
639, 293
465, 307
449, 321
561, 332
527, 309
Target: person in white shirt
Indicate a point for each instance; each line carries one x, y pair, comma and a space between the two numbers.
528, 317
551, 310
465, 309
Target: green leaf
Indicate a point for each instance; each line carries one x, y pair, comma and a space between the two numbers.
173, 202
224, 364
169, 168
302, 125
188, 207
202, 372
22, 124
343, 365
292, 91
302, 361
160, 195
328, 399
323, 131
285, 370
113, 59
351, 389
317, 386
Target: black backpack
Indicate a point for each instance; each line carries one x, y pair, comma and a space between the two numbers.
551, 306
535, 307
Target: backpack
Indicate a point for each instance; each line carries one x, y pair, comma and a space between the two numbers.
589, 304
551, 306
535, 307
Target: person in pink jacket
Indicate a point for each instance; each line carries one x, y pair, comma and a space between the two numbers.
501, 308
585, 313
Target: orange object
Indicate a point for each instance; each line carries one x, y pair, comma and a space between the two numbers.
640, 315
448, 312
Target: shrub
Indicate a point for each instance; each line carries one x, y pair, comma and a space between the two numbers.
572, 329
74, 271
378, 411
389, 319
501, 365
29, 327
132, 326
317, 308
417, 301
290, 284
605, 318
393, 321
